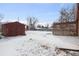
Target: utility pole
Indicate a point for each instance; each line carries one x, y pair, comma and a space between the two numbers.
18, 19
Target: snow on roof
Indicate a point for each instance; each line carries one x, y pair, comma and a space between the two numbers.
4, 21
10, 22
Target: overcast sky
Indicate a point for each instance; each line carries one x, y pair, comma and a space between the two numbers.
45, 12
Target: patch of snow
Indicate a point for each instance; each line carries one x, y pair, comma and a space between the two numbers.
36, 43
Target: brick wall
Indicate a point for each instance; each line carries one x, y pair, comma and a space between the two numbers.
77, 18
78, 27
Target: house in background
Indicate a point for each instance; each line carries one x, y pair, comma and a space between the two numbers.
13, 29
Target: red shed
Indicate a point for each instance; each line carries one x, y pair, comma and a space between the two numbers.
13, 29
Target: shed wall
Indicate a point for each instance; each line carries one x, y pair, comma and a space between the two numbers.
13, 29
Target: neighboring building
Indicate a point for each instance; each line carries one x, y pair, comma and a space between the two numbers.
13, 29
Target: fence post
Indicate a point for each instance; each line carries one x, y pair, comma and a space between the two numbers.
77, 19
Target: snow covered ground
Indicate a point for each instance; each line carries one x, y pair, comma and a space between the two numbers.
38, 43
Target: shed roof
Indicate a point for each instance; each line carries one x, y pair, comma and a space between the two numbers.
11, 23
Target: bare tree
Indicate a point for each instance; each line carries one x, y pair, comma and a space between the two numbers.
63, 15
1, 18
67, 15
32, 22
72, 14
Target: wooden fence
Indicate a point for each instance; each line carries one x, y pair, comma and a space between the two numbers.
65, 28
